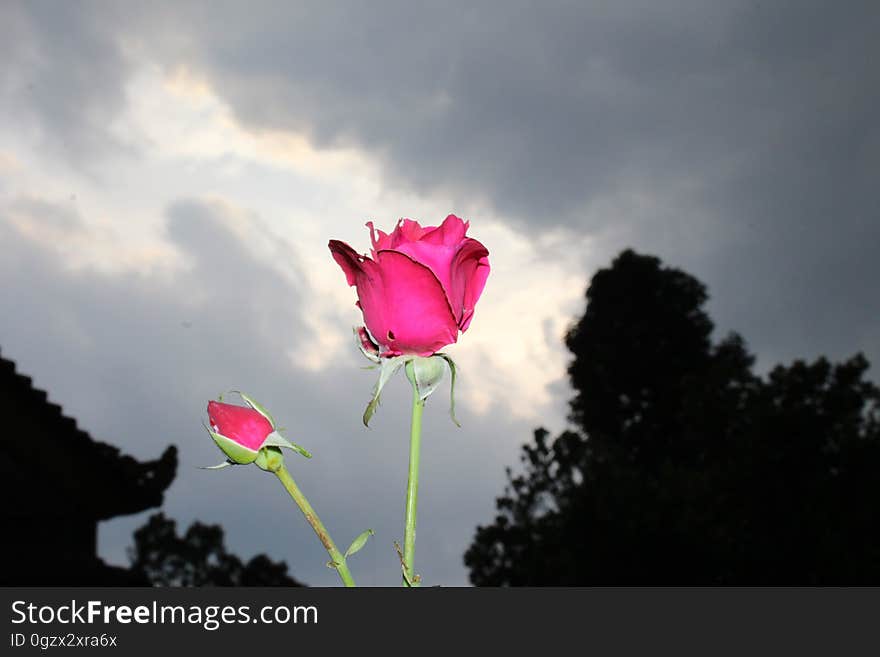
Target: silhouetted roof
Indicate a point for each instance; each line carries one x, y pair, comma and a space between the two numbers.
48, 465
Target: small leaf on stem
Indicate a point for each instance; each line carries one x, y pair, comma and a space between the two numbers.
359, 542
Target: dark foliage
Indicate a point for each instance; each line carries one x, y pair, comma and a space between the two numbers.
683, 466
198, 558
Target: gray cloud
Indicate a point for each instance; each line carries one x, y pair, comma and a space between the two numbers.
543, 109
739, 140
61, 218
749, 129
63, 77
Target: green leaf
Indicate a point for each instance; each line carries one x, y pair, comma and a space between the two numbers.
388, 368
451, 364
275, 439
259, 409
359, 542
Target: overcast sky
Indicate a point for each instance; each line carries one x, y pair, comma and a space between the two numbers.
170, 176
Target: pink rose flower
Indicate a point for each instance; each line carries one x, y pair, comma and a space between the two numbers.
420, 287
239, 424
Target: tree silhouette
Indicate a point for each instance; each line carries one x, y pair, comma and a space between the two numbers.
683, 466
198, 558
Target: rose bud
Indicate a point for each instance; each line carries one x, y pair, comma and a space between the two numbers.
419, 288
247, 434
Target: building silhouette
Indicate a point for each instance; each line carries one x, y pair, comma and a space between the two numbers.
57, 483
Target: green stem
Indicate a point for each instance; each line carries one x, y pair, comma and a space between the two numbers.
335, 555
412, 486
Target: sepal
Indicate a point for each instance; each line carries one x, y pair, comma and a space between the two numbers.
257, 407
219, 466
452, 369
366, 344
386, 370
275, 439
238, 454
425, 374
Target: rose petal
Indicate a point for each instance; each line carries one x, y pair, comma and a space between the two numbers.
347, 258
367, 345
363, 273
383, 241
437, 249
450, 233
418, 317
404, 304
436, 257
407, 230
243, 425
470, 269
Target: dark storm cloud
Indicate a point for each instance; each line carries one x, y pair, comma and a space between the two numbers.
766, 112
543, 107
749, 129
135, 358
62, 77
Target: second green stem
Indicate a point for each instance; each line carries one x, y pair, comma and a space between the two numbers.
412, 486
337, 558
